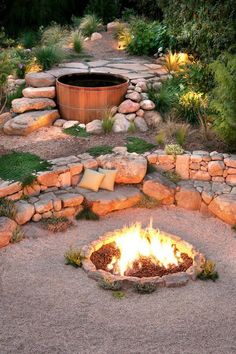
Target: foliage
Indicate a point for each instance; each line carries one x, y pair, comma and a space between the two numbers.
29, 39
7, 208
100, 150
181, 134
160, 137
108, 284
55, 224
138, 145
204, 28
175, 61
108, 122
73, 257
173, 149
17, 166
75, 21
172, 176
17, 235
76, 130
14, 94
49, 56
223, 101
132, 127
89, 24
145, 288
147, 202
6, 67
54, 35
105, 9
21, 58
208, 272
118, 294
147, 37
127, 14
77, 41
28, 180
173, 130
124, 38
193, 106
87, 214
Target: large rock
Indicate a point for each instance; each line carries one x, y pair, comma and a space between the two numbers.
7, 188
141, 124
94, 127
147, 105
216, 168
159, 188
128, 106
130, 168
26, 123
21, 105
24, 212
224, 207
121, 124
152, 118
188, 197
40, 79
95, 36
104, 202
38, 92
7, 227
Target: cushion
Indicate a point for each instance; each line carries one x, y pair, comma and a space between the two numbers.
91, 180
109, 179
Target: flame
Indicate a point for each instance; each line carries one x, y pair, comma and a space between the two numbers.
134, 242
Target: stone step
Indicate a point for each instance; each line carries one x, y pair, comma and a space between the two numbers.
40, 79
38, 92
26, 123
21, 105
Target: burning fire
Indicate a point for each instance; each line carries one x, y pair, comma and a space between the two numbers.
135, 243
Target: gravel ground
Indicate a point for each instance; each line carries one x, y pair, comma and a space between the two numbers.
48, 307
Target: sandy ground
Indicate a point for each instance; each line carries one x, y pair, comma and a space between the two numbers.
48, 307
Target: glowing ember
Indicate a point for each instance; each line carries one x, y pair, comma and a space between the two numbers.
135, 244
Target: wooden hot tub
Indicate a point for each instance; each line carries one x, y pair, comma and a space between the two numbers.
86, 96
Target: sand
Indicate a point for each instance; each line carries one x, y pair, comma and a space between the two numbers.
48, 307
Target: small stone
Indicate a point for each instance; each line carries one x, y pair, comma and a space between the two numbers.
142, 85
94, 127
141, 124
230, 161
134, 96
140, 113
70, 123
121, 124
122, 150
59, 123
175, 280
37, 217
95, 36
147, 105
128, 106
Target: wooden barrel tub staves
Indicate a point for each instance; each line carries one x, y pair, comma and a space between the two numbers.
86, 96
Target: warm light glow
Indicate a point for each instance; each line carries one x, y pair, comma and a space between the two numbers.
176, 61
134, 243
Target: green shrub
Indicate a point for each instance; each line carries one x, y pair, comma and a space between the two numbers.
29, 39
208, 272
148, 37
77, 42
138, 145
145, 288
118, 294
87, 214
21, 59
108, 284
75, 130
17, 235
100, 150
193, 107
47, 57
89, 24
173, 149
53, 35
128, 14
6, 67
75, 21
55, 224
15, 94
7, 208
73, 257
222, 100
17, 166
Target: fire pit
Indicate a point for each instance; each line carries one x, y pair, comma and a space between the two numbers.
134, 255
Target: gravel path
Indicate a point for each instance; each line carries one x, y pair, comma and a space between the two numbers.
48, 307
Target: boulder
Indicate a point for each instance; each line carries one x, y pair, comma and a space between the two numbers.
152, 118
40, 79
95, 36
39, 92
182, 166
21, 105
130, 168
230, 161
224, 207
134, 96
26, 123
147, 105
7, 227
160, 188
216, 168
141, 124
121, 124
188, 197
24, 212
128, 106
94, 127
71, 199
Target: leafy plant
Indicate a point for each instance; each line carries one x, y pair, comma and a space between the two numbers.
174, 149
87, 214
17, 235
7, 208
147, 202
118, 294
77, 41
29, 39
74, 257
55, 224
54, 34
124, 38
76, 130
48, 56
6, 67
15, 94
208, 271
17, 166
108, 284
128, 14
172, 176
181, 134
100, 150
145, 288
193, 107
175, 61
89, 24
138, 145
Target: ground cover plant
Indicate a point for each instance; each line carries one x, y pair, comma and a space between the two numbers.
100, 150
21, 167
209, 271
138, 145
56, 224
76, 130
73, 257
17, 235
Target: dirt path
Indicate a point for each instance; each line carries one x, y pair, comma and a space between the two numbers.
49, 308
